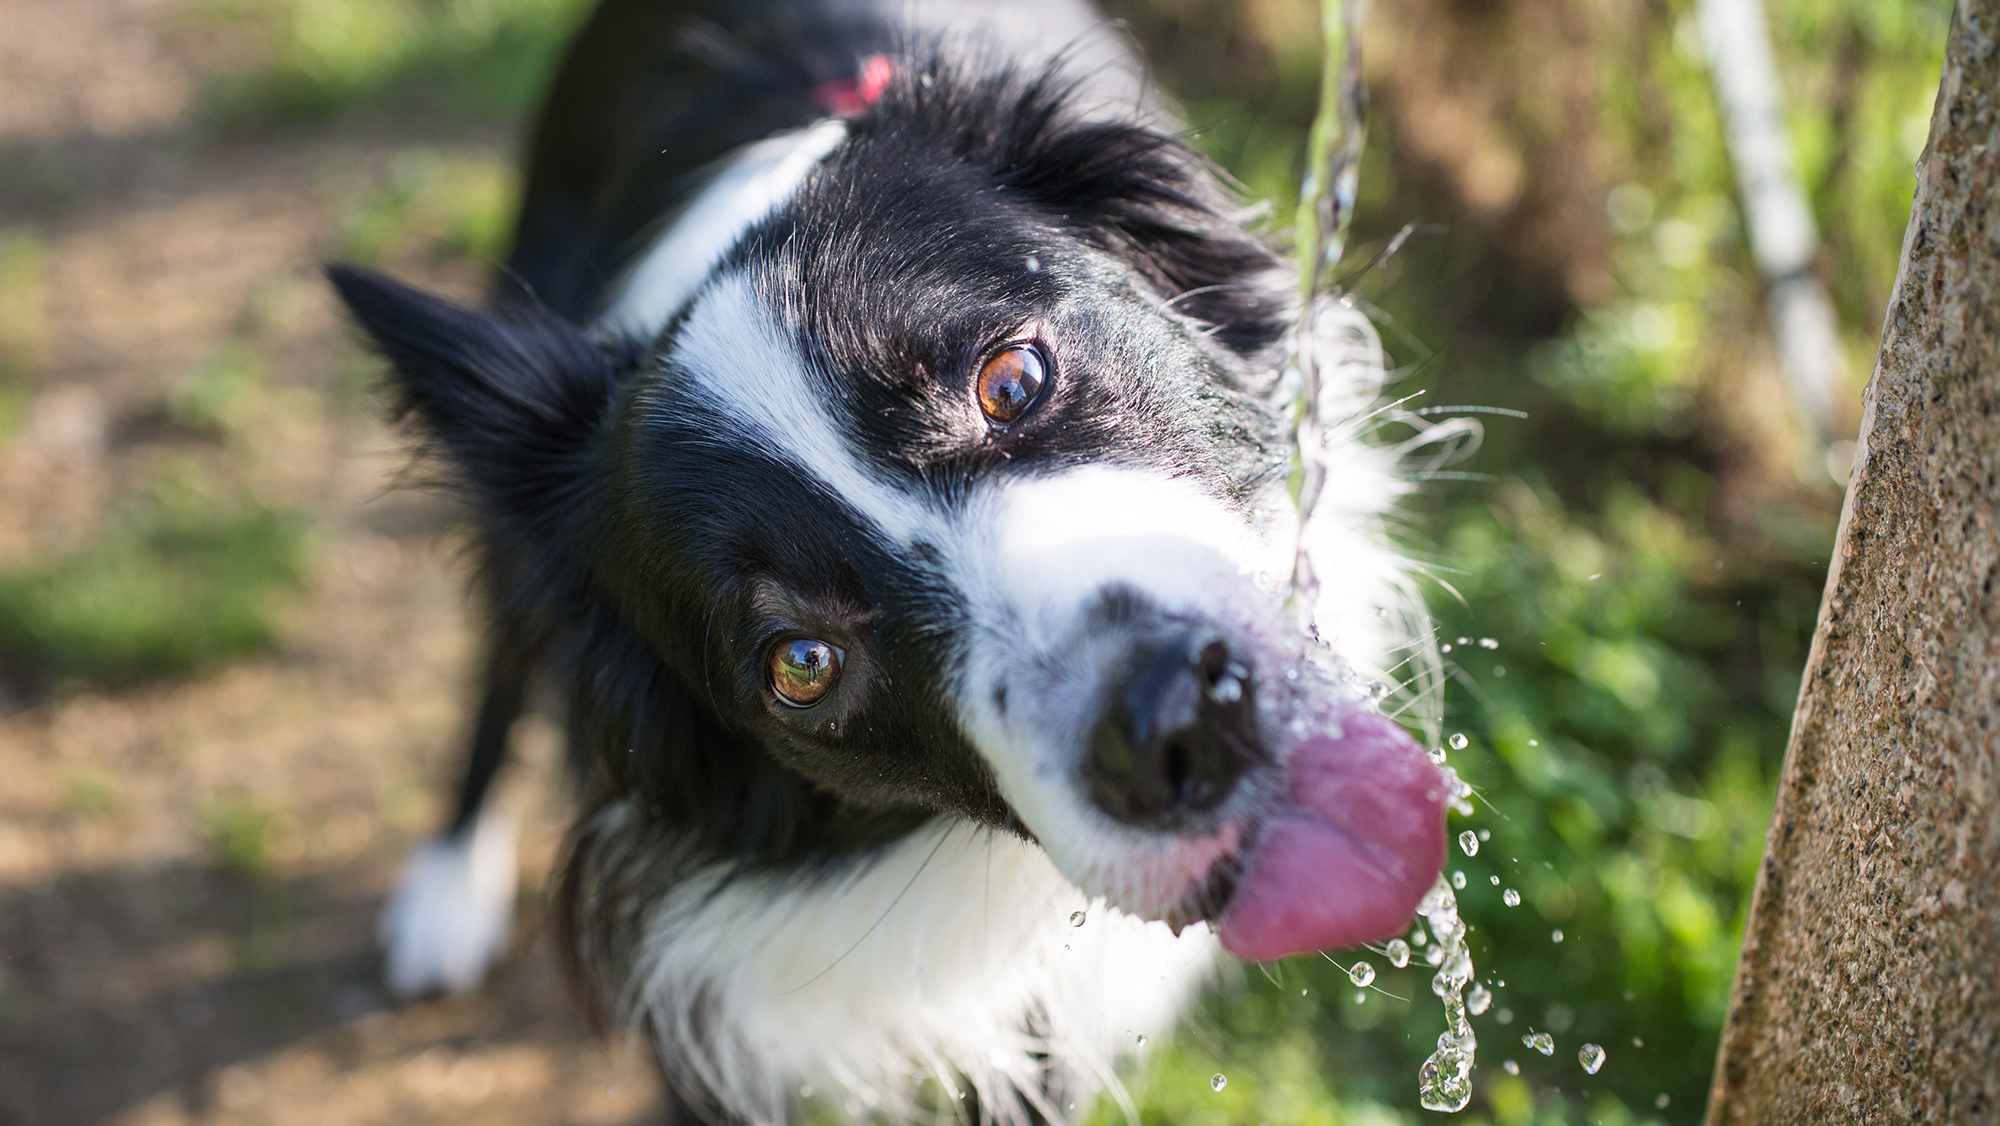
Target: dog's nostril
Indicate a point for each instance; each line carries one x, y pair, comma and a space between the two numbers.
1175, 733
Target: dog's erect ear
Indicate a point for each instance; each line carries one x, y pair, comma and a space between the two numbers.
513, 398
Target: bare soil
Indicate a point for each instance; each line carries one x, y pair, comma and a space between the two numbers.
151, 973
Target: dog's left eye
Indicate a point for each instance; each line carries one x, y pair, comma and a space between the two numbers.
803, 670
1011, 381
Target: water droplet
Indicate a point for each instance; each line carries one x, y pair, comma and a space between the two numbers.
1485, 834
1034, 264
1541, 1042
1437, 756
1302, 992
1556, 935
1511, 897
1435, 955
1417, 935
1478, 999
1469, 842
1494, 880
1398, 952
1534, 742
1499, 670
1140, 1039
1591, 1057
1504, 1016
1465, 641
1458, 880
1662, 1101
1378, 691
1382, 612
1597, 576
1458, 741
1362, 974
1219, 1082
1638, 1043
1076, 918
1360, 997
1445, 648
1510, 1067
1489, 643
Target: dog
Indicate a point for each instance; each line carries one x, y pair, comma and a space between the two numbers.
877, 439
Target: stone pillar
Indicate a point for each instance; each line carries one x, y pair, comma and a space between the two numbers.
1869, 987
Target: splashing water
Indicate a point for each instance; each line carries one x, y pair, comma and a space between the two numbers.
1469, 841
1541, 1042
1445, 1081
1591, 1057
1398, 952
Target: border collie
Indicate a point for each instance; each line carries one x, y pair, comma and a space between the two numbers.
876, 439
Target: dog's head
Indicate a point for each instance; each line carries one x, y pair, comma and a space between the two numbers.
955, 486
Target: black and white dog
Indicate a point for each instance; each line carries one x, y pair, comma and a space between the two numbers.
876, 441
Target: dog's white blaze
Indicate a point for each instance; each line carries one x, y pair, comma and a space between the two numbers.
449, 919
753, 182
950, 952
1034, 557
741, 360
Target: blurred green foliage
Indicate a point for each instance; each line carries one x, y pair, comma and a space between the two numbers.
1645, 564
174, 584
459, 204
328, 56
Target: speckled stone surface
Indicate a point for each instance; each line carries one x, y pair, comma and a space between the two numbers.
1869, 989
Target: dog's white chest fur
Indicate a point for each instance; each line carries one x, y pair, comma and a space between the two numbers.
951, 955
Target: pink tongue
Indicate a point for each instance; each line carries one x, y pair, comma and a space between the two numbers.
1359, 842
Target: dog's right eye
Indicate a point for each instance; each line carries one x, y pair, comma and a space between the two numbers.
803, 670
1011, 381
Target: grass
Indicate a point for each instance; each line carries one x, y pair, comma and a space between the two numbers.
172, 586
328, 57
23, 264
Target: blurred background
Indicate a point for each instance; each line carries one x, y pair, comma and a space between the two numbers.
233, 652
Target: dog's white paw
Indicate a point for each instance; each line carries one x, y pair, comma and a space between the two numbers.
450, 917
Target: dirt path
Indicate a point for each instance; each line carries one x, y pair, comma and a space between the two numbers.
190, 871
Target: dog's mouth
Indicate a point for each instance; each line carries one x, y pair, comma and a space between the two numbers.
1287, 813
1322, 820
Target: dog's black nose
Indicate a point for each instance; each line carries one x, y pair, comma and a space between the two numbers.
1175, 733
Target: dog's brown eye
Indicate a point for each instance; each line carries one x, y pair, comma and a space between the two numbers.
1010, 381
803, 670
